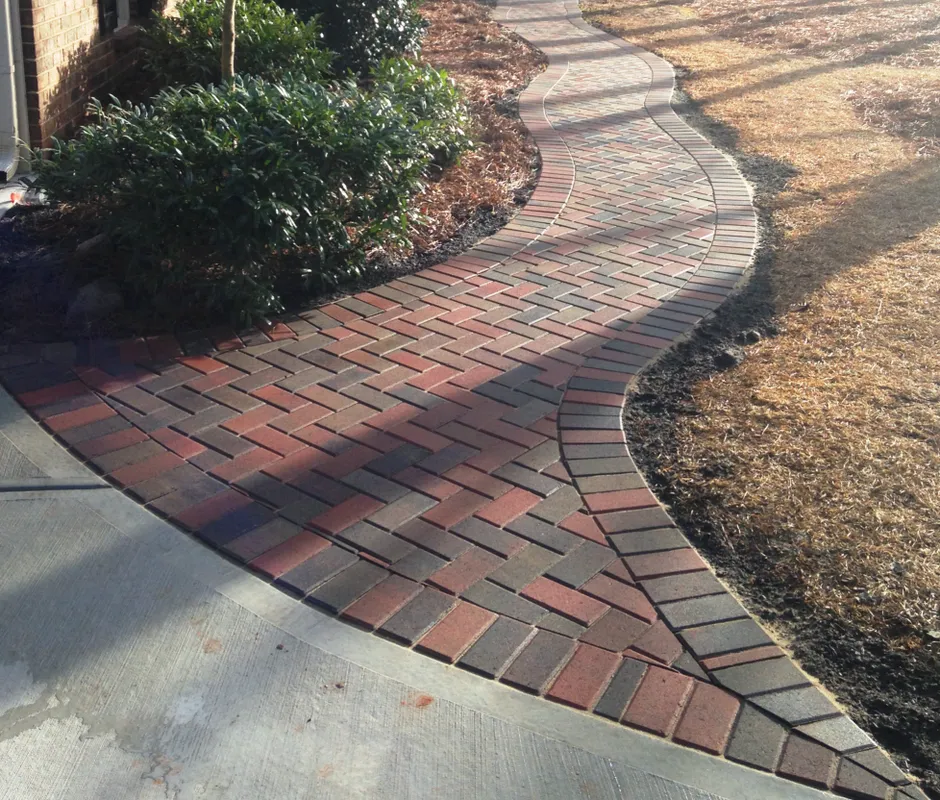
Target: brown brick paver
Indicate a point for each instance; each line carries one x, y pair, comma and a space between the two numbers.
453, 438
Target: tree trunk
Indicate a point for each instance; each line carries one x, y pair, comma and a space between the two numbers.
228, 40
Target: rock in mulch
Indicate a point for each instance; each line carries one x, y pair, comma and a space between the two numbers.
93, 246
93, 303
729, 357
750, 336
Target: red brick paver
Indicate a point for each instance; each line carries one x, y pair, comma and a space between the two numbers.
658, 702
375, 607
584, 677
708, 718
569, 602
456, 632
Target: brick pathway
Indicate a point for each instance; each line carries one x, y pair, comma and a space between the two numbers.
442, 460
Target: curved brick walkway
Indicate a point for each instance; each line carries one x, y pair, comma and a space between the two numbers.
442, 459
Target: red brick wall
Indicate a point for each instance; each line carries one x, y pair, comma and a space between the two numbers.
66, 61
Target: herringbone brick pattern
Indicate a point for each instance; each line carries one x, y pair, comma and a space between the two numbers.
442, 460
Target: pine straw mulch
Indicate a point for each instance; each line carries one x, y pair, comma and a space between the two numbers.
910, 109
823, 447
490, 65
904, 33
898, 33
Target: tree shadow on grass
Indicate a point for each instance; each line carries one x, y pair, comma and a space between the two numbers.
763, 21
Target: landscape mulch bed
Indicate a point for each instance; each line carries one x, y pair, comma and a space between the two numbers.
491, 66
40, 271
810, 473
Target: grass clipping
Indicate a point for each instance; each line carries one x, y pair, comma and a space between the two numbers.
822, 450
490, 65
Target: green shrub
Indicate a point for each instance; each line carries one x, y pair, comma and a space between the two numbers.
270, 43
208, 187
440, 116
362, 33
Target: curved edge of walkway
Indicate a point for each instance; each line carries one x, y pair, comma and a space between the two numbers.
786, 724
166, 549
831, 752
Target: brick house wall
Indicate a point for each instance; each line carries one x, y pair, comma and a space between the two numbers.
67, 60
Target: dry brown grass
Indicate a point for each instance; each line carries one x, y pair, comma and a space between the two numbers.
828, 436
900, 33
905, 33
910, 110
488, 63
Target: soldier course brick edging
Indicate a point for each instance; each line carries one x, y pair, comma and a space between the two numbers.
441, 459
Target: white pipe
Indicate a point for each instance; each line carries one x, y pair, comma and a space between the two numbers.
10, 100
20, 69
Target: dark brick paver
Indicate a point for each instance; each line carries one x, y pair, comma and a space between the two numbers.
441, 459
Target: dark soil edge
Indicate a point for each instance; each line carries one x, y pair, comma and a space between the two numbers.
895, 696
